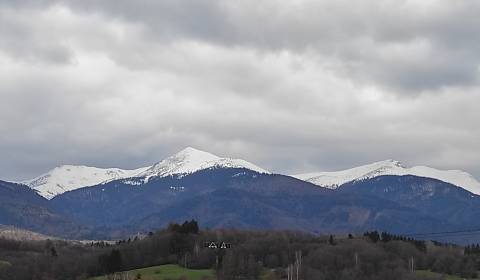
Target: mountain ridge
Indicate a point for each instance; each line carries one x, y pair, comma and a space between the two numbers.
189, 160
239, 197
71, 177
334, 179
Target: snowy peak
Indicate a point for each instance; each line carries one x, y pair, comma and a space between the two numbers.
70, 177
335, 179
190, 160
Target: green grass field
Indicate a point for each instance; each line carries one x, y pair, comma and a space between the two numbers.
168, 272
267, 274
428, 274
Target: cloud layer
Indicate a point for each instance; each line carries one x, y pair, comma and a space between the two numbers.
297, 86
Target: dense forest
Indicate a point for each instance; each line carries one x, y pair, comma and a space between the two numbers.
240, 254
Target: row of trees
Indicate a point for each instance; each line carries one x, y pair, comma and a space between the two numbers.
473, 249
374, 236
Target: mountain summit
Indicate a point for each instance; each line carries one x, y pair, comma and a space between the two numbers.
190, 160
335, 179
70, 177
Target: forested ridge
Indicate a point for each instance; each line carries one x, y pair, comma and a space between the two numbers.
246, 255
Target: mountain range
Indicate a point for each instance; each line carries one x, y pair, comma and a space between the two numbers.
88, 202
390, 167
69, 177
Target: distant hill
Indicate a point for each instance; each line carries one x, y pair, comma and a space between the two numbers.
14, 233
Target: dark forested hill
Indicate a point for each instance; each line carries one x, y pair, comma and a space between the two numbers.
428, 196
241, 198
455, 206
236, 198
22, 207
123, 202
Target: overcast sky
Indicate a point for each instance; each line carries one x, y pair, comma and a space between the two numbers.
293, 86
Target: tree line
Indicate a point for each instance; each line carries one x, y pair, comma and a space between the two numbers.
270, 254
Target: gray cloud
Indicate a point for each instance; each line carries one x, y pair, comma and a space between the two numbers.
299, 86
402, 45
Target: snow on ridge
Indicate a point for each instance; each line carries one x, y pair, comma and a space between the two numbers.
70, 177
335, 179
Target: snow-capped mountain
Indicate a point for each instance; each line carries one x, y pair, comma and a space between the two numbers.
70, 177
191, 160
335, 179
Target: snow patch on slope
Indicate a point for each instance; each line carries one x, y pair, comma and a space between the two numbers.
335, 179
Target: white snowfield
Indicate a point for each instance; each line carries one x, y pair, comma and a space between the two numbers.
69, 177
335, 179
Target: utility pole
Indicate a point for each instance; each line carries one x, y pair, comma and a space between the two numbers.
294, 270
196, 249
298, 263
356, 260
290, 272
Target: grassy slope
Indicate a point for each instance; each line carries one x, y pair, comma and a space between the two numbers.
4, 264
169, 271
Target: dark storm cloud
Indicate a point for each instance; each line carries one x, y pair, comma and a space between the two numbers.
292, 86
